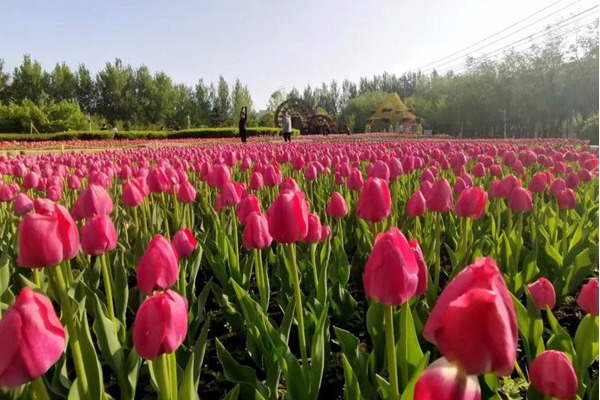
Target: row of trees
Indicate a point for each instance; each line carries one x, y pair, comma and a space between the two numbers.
549, 89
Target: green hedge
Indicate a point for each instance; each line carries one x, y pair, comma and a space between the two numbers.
198, 133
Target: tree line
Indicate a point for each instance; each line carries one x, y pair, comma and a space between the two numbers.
549, 89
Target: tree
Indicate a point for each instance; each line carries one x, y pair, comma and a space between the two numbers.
221, 107
360, 108
29, 81
62, 84
85, 92
203, 100
4, 83
116, 89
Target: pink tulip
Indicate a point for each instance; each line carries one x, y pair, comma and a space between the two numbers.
391, 274
543, 294
256, 232
415, 206
288, 217
374, 203
231, 193
47, 237
157, 181
471, 203
422, 267
475, 311
567, 199
94, 200
22, 204
538, 183
219, 175
184, 242
247, 205
507, 185
160, 324
380, 170
337, 207
186, 192
290, 183
520, 200
32, 339
315, 229
478, 170
132, 194
256, 181
552, 374
158, 268
98, 235
588, 297
440, 198
355, 180
557, 186
443, 380
310, 174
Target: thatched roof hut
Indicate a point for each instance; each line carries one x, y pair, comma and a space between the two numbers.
391, 113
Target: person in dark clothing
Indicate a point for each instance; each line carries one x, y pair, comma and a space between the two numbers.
242, 124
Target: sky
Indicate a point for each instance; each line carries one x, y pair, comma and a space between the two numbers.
270, 45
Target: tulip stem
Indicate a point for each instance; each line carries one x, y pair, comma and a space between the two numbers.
313, 260
69, 320
261, 280
290, 250
36, 277
438, 245
391, 351
107, 287
38, 388
164, 377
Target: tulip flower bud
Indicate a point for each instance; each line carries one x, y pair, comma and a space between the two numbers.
443, 380
288, 217
160, 324
475, 311
184, 242
422, 267
391, 274
355, 180
98, 235
337, 207
380, 170
520, 200
543, 294
219, 175
415, 206
538, 182
315, 229
552, 374
133, 194
256, 232
256, 181
478, 170
290, 183
588, 297
567, 199
47, 237
158, 268
247, 205
231, 193
157, 181
439, 198
22, 204
471, 203
374, 203
94, 200
557, 186
32, 339
186, 192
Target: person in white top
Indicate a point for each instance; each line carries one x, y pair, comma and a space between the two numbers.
286, 127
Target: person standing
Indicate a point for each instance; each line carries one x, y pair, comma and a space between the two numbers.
242, 124
286, 127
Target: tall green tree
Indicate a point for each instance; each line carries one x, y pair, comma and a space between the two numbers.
62, 83
29, 81
116, 92
221, 108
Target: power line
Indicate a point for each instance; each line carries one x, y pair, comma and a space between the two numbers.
546, 30
463, 66
517, 31
491, 36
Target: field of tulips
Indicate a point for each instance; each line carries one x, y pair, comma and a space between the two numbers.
393, 269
